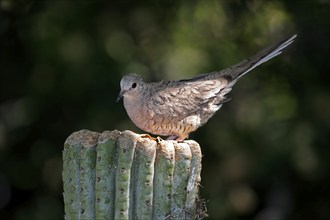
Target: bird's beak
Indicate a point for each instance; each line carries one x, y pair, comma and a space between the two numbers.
120, 95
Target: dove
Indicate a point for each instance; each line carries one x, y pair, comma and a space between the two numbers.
177, 108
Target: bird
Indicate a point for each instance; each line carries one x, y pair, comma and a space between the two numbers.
176, 108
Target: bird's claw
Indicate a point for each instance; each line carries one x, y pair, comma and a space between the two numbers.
148, 136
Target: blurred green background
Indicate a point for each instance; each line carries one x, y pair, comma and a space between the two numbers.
266, 152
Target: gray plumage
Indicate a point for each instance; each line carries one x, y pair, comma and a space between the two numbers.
176, 108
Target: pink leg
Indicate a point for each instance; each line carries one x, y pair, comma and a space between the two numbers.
180, 139
171, 137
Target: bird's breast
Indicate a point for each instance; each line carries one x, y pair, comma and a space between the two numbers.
159, 124
135, 111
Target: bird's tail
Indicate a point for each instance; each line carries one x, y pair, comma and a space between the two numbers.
262, 56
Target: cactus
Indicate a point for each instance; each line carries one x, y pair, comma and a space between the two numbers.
123, 175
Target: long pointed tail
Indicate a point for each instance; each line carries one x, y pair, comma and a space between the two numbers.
262, 56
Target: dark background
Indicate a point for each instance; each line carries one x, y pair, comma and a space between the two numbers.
266, 152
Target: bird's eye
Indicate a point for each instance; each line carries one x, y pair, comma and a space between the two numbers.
133, 85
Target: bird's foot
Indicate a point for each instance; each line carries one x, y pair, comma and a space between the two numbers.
148, 136
173, 137
180, 139
176, 138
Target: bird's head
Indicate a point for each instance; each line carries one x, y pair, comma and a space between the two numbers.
130, 85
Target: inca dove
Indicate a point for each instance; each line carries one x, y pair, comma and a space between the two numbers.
176, 108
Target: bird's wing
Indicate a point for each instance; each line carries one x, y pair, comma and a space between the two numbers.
179, 99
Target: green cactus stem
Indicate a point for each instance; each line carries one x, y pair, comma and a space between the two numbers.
87, 175
79, 175
71, 176
144, 162
125, 152
180, 179
123, 175
163, 180
105, 175
194, 180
